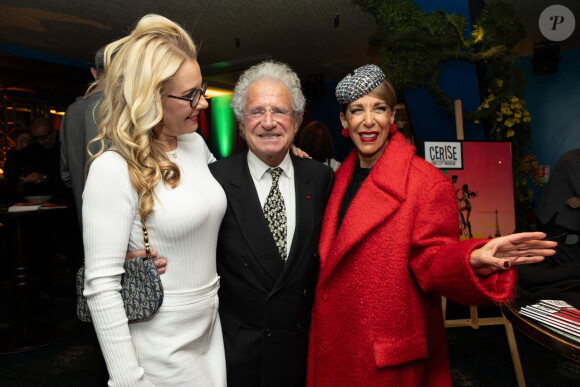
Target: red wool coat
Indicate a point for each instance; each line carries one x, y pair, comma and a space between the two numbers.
377, 318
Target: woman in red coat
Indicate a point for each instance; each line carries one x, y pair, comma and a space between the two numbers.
389, 249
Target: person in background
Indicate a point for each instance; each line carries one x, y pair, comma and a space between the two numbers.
11, 189
558, 215
267, 248
389, 249
79, 126
558, 210
38, 164
22, 141
155, 171
315, 140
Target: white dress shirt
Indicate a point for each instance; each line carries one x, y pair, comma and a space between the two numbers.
263, 182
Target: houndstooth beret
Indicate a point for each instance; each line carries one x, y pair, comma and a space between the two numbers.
359, 83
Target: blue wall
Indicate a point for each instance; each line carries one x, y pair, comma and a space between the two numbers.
554, 103
458, 80
43, 56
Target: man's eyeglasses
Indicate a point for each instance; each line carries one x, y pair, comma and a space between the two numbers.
195, 96
258, 113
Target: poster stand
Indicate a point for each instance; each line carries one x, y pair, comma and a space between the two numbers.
474, 321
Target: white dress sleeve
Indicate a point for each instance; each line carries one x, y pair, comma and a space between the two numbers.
109, 215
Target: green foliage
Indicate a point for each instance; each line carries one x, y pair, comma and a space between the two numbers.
415, 44
501, 25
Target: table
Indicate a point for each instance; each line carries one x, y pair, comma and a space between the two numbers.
541, 334
21, 227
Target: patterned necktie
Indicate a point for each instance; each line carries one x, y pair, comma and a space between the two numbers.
275, 213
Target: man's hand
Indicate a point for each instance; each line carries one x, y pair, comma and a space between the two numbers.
299, 152
573, 202
36, 177
160, 263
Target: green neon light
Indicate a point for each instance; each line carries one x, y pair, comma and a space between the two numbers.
223, 125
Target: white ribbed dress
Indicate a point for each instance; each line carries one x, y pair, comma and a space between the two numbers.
182, 343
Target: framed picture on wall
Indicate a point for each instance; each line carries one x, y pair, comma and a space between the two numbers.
484, 189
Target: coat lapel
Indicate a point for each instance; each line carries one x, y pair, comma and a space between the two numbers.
378, 197
250, 217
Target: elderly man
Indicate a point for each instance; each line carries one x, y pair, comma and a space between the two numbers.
267, 248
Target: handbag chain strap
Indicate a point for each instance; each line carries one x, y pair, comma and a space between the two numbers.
146, 240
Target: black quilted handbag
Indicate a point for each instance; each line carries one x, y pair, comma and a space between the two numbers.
141, 287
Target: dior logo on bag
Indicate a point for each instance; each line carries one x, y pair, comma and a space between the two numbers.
141, 290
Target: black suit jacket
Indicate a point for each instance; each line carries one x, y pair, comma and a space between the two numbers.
265, 304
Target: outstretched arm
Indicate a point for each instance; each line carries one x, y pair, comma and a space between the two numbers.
515, 249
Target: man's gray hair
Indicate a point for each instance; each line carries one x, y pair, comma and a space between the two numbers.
276, 71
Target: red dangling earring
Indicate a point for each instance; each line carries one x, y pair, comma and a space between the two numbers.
345, 133
392, 128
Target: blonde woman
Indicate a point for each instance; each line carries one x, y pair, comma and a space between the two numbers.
156, 171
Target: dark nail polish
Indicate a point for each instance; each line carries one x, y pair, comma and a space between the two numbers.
506, 264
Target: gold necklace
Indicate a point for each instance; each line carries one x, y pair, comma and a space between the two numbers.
172, 154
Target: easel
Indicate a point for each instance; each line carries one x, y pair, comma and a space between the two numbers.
474, 321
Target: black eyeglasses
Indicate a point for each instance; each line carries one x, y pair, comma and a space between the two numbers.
195, 96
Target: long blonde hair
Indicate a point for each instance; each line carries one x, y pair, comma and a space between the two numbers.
139, 70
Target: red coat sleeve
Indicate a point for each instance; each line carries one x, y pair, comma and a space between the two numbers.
440, 262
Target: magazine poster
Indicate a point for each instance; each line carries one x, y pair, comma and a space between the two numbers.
557, 315
484, 190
